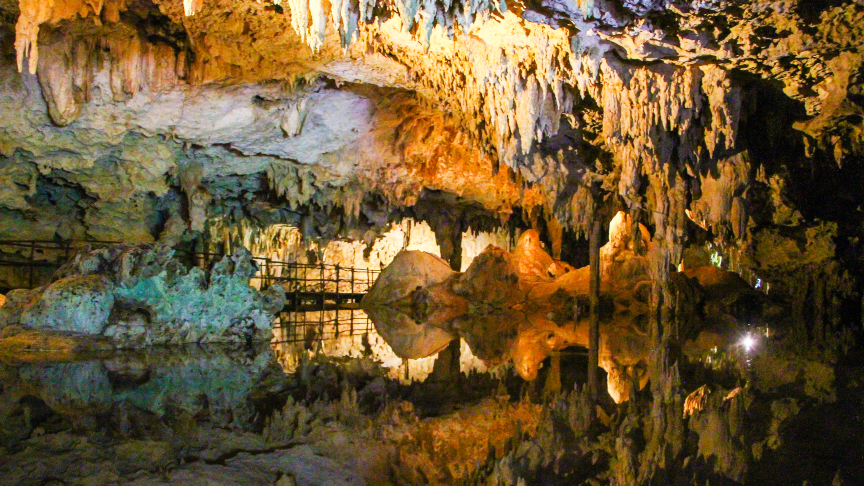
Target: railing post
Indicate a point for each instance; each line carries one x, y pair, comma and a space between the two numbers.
336, 323
320, 337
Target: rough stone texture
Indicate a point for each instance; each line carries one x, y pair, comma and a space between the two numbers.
78, 304
409, 338
515, 88
140, 296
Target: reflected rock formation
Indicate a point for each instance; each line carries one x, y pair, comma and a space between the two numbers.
524, 305
205, 381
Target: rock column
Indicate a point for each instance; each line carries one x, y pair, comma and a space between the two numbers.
594, 327
447, 365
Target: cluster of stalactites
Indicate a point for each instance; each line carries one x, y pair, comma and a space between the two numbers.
36, 12
298, 186
69, 66
276, 241
309, 17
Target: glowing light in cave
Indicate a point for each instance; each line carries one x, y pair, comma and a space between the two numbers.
748, 342
717, 259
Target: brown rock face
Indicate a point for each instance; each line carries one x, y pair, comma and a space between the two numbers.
399, 302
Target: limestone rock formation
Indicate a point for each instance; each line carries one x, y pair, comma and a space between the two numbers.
77, 304
254, 88
524, 306
135, 296
729, 132
409, 338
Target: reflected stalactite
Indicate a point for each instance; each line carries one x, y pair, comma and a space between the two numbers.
518, 306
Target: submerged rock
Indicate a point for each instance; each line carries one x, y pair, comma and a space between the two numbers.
143, 295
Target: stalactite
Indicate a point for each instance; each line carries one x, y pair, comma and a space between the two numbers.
556, 234
191, 7
33, 14
69, 64
37, 12
519, 101
309, 17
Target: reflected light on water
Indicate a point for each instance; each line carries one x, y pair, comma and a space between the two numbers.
370, 345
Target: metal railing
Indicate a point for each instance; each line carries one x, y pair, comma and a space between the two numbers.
42, 256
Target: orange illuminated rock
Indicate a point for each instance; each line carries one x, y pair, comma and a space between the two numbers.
399, 305
521, 306
524, 305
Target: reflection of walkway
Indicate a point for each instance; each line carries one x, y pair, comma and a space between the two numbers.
322, 301
372, 346
322, 316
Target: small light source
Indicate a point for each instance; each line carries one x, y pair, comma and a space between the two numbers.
748, 342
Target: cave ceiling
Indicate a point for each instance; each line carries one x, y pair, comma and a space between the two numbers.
125, 108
